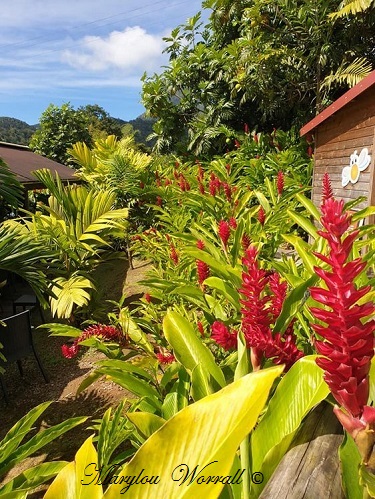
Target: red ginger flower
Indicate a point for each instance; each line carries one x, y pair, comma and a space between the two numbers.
233, 223
347, 344
173, 254
101, 331
327, 188
165, 357
223, 337
200, 244
245, 241
280, 182
203, 271
260, 309
261, 215
224, 231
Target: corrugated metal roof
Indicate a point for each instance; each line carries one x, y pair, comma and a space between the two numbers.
339, 103
22, 162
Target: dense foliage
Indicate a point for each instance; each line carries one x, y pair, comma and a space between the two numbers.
260, 63
15, 131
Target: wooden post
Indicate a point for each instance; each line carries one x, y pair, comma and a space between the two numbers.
311, 468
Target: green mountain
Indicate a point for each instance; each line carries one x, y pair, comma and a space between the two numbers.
19, 132
15, 131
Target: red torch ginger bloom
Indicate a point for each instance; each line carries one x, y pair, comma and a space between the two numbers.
203, 271
256, 139
233, 223
261, 216
173, 254
327, 188
101, 331
214, 184
264, 295
165, 357
280, 182
227, 191
224, 231
222, 336
201, 188
245, 241
200, 244
347, 344
200, 175
159, 201
246, 128
147, 297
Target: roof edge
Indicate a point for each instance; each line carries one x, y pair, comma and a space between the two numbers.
14, 146
339, 103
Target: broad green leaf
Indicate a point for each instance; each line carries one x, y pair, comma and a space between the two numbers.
263, 201
303, 250
58, 329
131, 328
89, 380
200, 440
145, 422
304, 223
350, 462
78, 479
298, 392
188, 348
309, 205
130, 382
226, 290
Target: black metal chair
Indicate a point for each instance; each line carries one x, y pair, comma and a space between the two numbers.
17, 341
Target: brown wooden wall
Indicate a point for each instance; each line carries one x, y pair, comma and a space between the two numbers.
351, 128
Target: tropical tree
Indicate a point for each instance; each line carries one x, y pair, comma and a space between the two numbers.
260, 63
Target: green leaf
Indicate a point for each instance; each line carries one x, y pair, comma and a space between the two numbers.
33, 477
189, 350
298, 392
303, 250
226, 290
78, 479
304, 223
220, 421
145, 422
350, 463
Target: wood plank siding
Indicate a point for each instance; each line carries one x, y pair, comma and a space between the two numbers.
350, 129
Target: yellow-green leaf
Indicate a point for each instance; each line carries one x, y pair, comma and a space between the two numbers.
78, 479
199, 441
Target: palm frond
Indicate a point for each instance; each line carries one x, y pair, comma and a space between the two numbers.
349, 73
353, 7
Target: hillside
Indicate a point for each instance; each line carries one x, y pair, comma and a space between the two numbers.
15, 131
19, 132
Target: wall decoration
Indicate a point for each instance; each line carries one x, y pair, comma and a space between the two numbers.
358, 163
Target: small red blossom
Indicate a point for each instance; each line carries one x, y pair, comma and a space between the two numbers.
227, 191
280, 182
101, 331
141, 185
200, 244
246, 128
256, 139
201, 188
165, 357
224, 231
223, 336
147, 297
159, 201
261, 215
237, 143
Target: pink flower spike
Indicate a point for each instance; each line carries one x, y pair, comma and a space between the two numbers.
223, 337
280, 183
261, 216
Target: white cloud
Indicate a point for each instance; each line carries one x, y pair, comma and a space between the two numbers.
133, 50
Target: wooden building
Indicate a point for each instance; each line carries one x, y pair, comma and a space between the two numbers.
22, 162
344, 135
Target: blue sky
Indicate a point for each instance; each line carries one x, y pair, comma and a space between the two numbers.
82, 52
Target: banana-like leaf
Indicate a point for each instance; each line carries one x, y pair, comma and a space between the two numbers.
304, 223
225, 289
78, 479
298, 392
189, 350
199, 441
